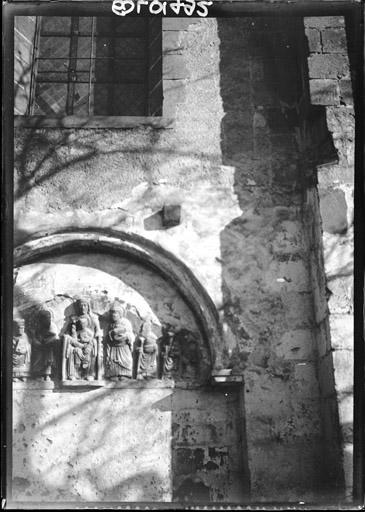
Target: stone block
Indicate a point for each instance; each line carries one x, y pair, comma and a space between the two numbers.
333, 210
338, 254
321, 22
322, 338
328, 66
171, 42
171, 215
341, 298
346, 93
294, 275
343, 363
298, 309
296, 344
324, 92
174, 67
334, 40
314, 40
305, 379
326, 376
346, 415
178, 23
173, 95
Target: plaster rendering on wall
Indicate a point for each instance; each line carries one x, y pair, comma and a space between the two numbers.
183, 227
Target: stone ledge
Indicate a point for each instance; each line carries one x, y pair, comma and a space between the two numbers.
69, 386
93, 122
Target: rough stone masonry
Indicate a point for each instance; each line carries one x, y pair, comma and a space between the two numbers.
260, 160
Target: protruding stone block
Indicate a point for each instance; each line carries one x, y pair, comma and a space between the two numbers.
171, 215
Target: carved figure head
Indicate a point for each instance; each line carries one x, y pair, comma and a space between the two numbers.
45, 318
117, 312
83, 306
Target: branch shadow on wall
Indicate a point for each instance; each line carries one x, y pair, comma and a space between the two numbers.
198, 455
264, 139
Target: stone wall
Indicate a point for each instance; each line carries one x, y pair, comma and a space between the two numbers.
234, 162
330, 82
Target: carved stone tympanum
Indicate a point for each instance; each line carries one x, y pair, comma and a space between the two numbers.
45, 344
147, 352
119, 345
82, 344
21, 351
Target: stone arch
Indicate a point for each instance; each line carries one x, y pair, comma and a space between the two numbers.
145, 252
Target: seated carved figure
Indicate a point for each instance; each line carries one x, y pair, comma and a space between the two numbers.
82, 344
119, 345
21, 351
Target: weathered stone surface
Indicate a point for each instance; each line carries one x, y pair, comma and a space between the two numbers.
328, 66
174, 67
314, 40
334, 40
92, 459
324, 92
333, 210
343, 361
346, 93
342, 331
324, 21
236, 169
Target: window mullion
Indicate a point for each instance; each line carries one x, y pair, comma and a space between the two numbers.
72, 65
92, 67
30, 106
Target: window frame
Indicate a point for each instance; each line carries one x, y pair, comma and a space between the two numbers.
29, 120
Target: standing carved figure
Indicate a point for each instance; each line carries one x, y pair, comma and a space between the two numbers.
45, 344
21, 351
119, 345
190, 355
82, 344
147, 352
170, 354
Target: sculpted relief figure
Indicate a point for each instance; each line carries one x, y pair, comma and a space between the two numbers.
170, 352
21, 351
82, 344
190, 355
147, 352
119, 345
45, 345
180, 354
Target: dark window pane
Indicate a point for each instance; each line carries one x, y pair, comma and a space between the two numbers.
54, 47
83, 47
119, 71
133, 27
119, 100
83, 64
52, 65
85, 25
55, 25
120, 48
